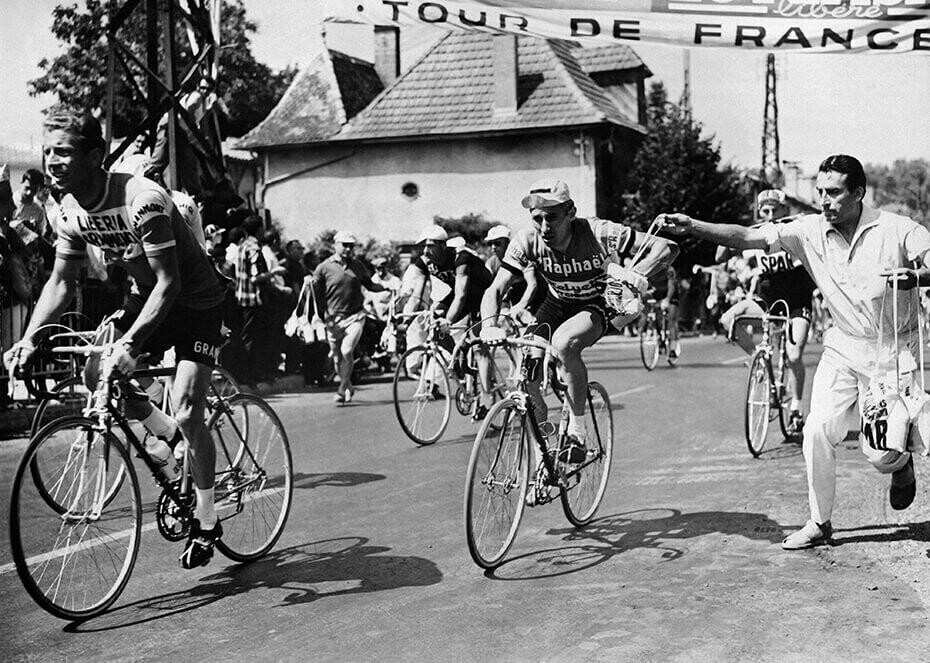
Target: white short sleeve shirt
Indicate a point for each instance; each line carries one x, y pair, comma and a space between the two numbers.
849, 274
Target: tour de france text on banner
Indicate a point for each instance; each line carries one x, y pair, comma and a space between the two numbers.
818, 26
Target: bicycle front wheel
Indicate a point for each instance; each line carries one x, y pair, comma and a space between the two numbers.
75, 562
421, 398
496, 483
586, 484
758, 403
649, 344
253, 493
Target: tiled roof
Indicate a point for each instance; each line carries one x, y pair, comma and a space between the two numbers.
597, 59
332, 88
451, 90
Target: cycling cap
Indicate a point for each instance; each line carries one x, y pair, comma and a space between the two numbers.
433, 233
547, 193
771, 196
496, 233
456, 242
344, 237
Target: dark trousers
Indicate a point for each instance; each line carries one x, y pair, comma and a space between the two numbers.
254, 339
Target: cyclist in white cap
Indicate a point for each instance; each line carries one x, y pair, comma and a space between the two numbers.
576, 256
527, 292
337, 291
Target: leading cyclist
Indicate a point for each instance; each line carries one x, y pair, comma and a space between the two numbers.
579, 258
176, 299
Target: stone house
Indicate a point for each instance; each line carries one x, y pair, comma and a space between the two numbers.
466, 130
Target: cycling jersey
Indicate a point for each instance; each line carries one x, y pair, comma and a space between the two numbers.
134, 219
782, 277
479, 278
186, 205
577, 274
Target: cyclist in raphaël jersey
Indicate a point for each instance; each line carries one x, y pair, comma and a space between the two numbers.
176, 299
579, 258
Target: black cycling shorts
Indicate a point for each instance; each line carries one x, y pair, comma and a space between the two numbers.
195, 334
553, 312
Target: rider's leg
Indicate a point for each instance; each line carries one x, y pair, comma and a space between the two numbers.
189, 400
795, 351
673, 326
569, 340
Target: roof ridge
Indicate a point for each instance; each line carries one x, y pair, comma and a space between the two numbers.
569, 77
303, 73
374, 102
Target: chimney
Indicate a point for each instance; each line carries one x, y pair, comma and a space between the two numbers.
505, 74
387, 53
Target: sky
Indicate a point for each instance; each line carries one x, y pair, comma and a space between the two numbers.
871, 106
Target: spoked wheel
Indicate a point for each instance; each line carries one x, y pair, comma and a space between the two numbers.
253, 495
223, 382
496, 483
758, 404
587, 482
781, 398
74, 561
649, 344
421, 401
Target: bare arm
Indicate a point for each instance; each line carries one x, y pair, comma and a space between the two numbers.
491, 302
417, 286
532, 283
56, 295
458, 299
160, 300
726, 234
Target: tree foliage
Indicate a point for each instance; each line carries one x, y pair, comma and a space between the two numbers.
678, 170
903, 187
78, 76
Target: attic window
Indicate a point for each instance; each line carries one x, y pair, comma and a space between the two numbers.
410, 191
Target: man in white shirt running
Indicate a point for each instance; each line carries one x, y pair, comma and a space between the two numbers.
854, 253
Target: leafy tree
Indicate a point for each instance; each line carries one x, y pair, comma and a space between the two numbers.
903, 187
473, 227
678, 170
78, 77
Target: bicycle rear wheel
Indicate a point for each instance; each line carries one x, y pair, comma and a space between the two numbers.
224, 383
421, 398
758, 403
75, 562
496, 482
588, 482
649, 343
253, 495
781, 398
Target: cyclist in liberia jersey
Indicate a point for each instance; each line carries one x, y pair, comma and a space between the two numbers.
778, 276
176, 299
575, 256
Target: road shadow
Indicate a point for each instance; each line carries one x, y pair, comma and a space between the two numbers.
887, 533
348, 563
779, 451
656, 529
338, 479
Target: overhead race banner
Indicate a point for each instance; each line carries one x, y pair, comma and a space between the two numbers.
798, 26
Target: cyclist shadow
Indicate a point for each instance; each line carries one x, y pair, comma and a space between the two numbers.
308, 572
887, 533
338, 479
607, 537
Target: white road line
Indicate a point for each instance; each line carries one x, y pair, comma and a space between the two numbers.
634, 390
735, 360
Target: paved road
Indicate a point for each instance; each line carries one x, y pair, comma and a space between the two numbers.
682, 564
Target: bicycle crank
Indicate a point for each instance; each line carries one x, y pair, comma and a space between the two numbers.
174, 520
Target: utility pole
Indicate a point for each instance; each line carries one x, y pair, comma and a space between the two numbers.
770, 174
686, 83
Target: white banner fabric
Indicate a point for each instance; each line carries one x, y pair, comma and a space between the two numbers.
797, 26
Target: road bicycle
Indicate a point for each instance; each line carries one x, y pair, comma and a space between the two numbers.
654, 336
429, 378
76, 501
72, 393
498, 483
766, 392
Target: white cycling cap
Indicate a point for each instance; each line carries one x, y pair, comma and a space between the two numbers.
496, 233
345, 237
433, 233
547, 193
457, 242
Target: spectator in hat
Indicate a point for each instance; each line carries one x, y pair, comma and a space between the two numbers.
337, 292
